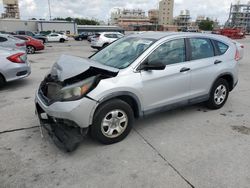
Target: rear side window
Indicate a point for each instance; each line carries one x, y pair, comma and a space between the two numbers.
2, 39
109, 36
201, 48
221, 47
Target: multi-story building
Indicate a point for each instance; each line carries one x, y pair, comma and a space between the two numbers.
129, 19
166, 12
11, 9
183, 20
126, 14
153, 16
239, 16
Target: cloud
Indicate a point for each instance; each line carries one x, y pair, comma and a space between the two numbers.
100, 9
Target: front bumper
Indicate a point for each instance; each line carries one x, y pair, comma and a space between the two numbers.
80, 112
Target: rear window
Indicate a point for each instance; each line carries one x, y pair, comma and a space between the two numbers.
221, 47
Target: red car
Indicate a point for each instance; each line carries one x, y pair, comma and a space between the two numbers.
32, 44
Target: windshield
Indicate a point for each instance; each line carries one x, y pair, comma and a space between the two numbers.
123, 52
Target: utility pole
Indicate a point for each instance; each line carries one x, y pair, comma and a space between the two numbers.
49, 10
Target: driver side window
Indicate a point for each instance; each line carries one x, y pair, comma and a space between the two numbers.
169, 53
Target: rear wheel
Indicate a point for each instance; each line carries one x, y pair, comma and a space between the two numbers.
30, 49
62, 40
2, 81
112, 122
219, 94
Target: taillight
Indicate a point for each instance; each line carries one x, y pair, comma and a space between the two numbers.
17, 58
20, 44
237, 55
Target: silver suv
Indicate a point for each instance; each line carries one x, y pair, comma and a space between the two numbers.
135, 76
101, 40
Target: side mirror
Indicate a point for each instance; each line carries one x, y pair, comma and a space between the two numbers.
153, 66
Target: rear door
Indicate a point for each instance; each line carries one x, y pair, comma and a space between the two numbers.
168, 86
204, 65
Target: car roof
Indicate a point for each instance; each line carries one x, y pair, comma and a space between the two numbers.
159, 35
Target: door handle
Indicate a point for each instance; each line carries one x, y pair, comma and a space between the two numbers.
185, 69
217, 62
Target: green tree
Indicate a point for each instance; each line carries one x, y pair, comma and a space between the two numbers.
206, 25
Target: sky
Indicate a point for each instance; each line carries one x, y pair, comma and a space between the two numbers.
101, 9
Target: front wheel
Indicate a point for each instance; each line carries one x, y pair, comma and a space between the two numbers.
112, 122
219, 94
62, 40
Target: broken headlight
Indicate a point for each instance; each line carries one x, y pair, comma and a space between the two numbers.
77, 90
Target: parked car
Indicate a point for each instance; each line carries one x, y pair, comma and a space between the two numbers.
90, 37
32, 45
31, 34
10, 41
81, 36
133, 77
56, 37
101, 40
240, 48
14, 65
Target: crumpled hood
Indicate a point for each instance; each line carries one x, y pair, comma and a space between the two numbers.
69, 66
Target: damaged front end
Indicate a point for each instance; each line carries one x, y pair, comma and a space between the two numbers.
70, 80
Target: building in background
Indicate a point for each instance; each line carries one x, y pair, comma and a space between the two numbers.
153, 16
13, 25
166, 8
239, 16
11, 9
130, 19
199, 19
183, 21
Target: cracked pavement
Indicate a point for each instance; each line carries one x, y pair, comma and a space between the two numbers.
186, 147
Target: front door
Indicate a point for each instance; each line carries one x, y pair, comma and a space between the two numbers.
168, 86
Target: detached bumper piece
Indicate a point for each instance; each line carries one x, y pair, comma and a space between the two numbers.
64, 133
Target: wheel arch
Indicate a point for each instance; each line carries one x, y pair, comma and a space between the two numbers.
31, 46
228, 77
125, 96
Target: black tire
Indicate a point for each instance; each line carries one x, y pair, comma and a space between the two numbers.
105, 45
2, 81
103, 112
44, 41
30, 49
62, 40
214, 102
80, 39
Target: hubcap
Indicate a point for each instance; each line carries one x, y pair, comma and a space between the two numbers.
114, 123
30, 50
220, 94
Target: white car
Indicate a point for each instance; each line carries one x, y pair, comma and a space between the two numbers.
101, 40
56, 37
